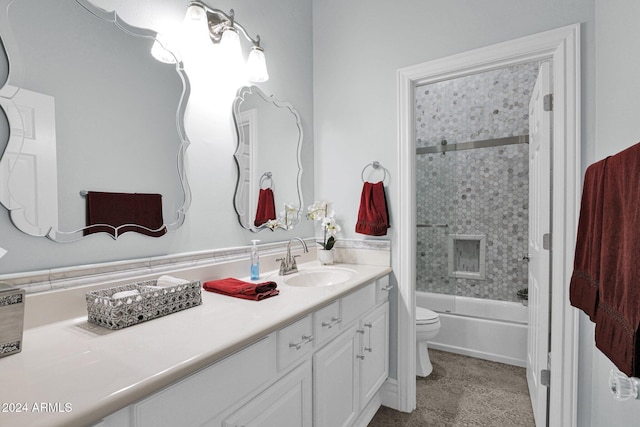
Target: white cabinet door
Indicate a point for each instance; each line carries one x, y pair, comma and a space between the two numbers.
285, 404
374, 345
335, 382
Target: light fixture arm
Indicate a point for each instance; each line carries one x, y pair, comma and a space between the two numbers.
219, 20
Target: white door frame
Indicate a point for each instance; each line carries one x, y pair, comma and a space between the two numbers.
562, 47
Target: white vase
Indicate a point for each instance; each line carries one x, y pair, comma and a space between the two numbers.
325, 256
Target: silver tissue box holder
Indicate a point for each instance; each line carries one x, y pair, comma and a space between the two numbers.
11, 319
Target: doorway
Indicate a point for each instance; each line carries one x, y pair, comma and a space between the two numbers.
561, 48
483, 192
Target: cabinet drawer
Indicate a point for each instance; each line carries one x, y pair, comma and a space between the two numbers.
208, 392
294, 341
358, 303
383, 288
326, 322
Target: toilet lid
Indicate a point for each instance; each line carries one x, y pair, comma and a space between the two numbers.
424, 316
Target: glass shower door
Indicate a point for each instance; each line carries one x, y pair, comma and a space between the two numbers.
435, 210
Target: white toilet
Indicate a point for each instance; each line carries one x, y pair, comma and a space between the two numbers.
427, 327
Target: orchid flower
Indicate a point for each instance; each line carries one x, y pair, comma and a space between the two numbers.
321, 211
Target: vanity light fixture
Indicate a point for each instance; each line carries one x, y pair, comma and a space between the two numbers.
161, 50
225, 30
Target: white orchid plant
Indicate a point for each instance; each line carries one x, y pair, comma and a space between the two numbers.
287, 219
321, 211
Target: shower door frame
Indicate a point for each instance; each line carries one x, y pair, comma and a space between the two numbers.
562, 47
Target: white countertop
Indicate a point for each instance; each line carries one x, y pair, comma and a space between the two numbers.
81, 372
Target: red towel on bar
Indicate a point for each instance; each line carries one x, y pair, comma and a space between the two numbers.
137, 212
583, 290
618, 314
240, 289
373, 215
266, 207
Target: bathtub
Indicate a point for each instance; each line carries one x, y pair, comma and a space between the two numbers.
486, 329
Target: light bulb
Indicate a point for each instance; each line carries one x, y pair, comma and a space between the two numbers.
230, 46
257, 65
196, 25
195, 13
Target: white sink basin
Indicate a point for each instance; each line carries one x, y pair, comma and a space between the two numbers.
314, 277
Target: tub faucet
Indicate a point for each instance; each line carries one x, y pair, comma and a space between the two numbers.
288, 263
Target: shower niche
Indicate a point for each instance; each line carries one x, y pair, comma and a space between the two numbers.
467, 255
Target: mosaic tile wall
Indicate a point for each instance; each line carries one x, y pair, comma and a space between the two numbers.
480, 191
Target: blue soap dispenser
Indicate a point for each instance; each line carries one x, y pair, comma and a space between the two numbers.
255, 261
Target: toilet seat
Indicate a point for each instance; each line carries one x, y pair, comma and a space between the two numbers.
424, 316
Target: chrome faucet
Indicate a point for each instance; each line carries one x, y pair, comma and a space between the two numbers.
288, 263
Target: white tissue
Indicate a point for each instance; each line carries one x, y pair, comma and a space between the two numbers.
164, 281
3, 252
123, 294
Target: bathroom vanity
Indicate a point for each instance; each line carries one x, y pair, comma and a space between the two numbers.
313, 355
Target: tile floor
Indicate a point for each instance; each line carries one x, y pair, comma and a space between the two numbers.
464, 391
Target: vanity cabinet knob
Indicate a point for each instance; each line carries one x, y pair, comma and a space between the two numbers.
295, 345
360, 356
305, 340
360, 331
334, 321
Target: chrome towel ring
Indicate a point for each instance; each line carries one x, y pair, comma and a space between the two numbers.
376, 165
266, 177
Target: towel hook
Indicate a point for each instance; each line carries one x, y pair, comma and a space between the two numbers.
266, 176
376, 165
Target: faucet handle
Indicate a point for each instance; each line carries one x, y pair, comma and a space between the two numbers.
293, 264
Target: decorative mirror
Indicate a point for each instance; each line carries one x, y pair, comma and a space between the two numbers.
268, 192
88, 109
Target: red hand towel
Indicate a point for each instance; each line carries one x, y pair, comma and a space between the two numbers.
373, 215
583, 290
137, 210
240, 289
618, 314
266, 207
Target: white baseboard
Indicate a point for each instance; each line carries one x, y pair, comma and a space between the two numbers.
368, 412
389, 394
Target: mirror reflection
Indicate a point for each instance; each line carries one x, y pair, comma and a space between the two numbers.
268, 192
88, 109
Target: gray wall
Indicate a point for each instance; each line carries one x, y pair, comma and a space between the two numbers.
617, 127
284, 26
358, 47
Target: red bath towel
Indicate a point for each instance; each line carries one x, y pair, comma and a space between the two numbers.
373, 215
123, 212
240, 289
618, 314
266, 207
583, 290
